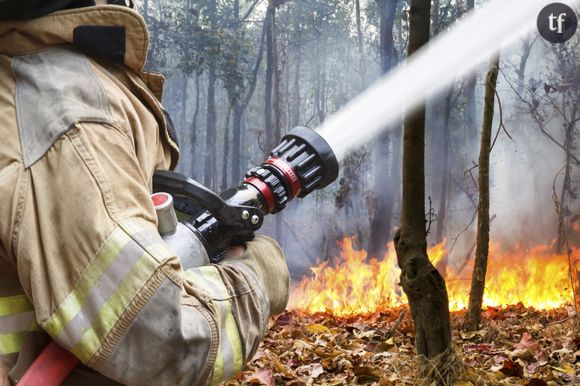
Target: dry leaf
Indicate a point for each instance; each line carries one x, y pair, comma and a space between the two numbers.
315, 329
536, 382
512, 369
566, 369
527, 343
367, 374
261, 377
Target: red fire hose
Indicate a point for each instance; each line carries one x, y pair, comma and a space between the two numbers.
51, 367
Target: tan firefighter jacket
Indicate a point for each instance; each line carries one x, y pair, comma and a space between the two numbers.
81, 261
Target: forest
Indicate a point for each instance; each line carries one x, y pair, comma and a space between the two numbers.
448, 249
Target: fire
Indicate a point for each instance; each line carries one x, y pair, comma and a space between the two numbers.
351, 285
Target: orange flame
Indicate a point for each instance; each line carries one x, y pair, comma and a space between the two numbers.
535, 277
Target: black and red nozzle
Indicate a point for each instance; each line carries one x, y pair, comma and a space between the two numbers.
301, 163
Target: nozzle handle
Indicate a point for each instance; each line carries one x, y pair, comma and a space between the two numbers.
237, 216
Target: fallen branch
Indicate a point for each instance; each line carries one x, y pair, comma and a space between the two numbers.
563, 320
396, 324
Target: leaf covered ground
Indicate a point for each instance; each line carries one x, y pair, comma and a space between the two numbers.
515, 346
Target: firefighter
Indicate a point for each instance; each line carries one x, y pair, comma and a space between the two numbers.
81, 261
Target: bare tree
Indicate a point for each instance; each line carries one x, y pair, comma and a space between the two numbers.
473, 317
422, 283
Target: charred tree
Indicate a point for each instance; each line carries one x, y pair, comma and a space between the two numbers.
381, 210
473, 317
422, 283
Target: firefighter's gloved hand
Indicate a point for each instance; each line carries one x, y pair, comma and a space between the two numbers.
242, 238
265, 258
235, 251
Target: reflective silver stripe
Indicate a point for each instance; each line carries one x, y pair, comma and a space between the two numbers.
17, 322
106, 286
17, 319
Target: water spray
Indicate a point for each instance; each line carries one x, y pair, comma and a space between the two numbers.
452, 54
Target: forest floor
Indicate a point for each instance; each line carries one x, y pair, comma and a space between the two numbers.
515, 346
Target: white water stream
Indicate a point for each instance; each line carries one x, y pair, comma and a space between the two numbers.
452, 54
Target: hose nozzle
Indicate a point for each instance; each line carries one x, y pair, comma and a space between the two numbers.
301, 163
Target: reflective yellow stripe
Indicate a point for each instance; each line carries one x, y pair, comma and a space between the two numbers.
106, 288
11, 305
74, 301
234, 335
231, 328
218, 369
10, 308
230, 344
113, 309
11, 343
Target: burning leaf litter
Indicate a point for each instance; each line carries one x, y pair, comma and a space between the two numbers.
516, 346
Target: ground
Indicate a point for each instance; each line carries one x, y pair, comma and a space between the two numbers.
515, 346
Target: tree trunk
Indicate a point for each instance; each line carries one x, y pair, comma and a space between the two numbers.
442, 213
319, 92
146, 11
362, 67
236, 143
226, 152
268, 108
193, 130
470, 110
381, 213
210, 135
209, 171
422, 283
276, 106
183, 118
296, 88
277, 97
473, 316
273, 114
240, 107
526, 50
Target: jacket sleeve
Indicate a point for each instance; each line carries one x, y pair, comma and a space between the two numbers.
105, 286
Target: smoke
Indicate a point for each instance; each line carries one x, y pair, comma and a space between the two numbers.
523, 169
447, 56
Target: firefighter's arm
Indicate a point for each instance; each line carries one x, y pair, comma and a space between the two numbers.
106, 287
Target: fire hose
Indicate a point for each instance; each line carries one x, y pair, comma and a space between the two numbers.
301, 163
